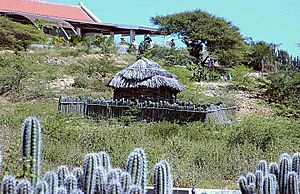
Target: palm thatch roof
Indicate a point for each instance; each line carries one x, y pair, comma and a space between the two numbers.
145, 73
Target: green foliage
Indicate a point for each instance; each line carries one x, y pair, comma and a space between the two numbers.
222, 39
169, 56
18, 36
202, 73
106, 44
77, 40
283, 89
240, 76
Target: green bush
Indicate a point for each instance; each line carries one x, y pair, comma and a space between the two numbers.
171, 56
283, 89
18, 36
240, 76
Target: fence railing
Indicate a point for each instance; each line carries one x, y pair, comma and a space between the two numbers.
147, 110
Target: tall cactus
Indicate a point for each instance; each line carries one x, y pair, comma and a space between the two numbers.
114, 188
137, 167
296, 163
89, 166
250, 178
31, 148
8, 185
113, 175
100, 180
125, 181
41, 187
71, 183
24, 187
62, 173
292, 183
269, 185
242, 183
52, 180
163, 181
78, 191
104, 160
274, 169
251, 188
263, 167
284, 169
78, 173
259, 182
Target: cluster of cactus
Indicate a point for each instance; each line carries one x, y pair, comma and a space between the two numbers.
273, 178
178, 105
95, 176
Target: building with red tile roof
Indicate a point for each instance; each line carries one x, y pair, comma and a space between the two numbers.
69, 19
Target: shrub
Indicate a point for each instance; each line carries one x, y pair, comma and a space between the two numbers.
18, 36
171, 56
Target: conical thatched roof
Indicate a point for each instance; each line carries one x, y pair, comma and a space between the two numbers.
145, 73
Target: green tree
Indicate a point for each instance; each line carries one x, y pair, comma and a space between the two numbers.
199, 30
18, 36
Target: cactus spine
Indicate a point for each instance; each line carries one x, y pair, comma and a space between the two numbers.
71, 183
52, 180
259, 182
9, 185
31, 148
61, 190
100, 180
41, 187
242, 182
250, 178
24, 187
78, 191
125, 181
163, 182
284, 169
114, 188
292, 183
135, 190
251, 188
89, 166
137, 167
62, 173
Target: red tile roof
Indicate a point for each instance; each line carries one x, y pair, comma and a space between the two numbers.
47, 9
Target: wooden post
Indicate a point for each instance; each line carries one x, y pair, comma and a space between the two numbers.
112, 36
132, 36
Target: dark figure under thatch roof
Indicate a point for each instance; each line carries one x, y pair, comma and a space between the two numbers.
145, 80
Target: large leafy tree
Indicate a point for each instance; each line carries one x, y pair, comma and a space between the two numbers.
197, 29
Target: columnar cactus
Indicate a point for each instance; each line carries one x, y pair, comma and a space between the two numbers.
41, 187
113, 175
89, 166
250, 178
31, 148
52, 180
263, 167
62, 173
71, 183
61, 190
284, 169
259, 182
9, 185
296, 163
137, 167
269, 184
24, 187
100, 181
242, 182
104, 160
114, 188
134, 189
292, 183
78, 173
163, 181
78, 191
251, 188
274, 169
125, 181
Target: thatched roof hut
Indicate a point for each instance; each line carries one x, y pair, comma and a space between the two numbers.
145, 80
